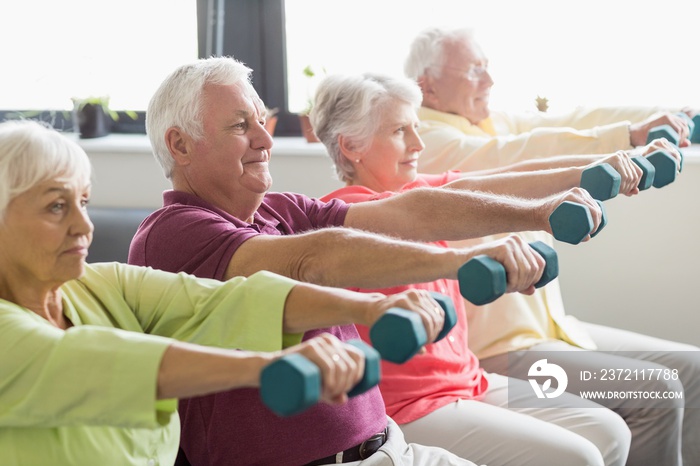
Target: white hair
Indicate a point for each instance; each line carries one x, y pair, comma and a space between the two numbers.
178, 101
351, 106
32, 152
427, 52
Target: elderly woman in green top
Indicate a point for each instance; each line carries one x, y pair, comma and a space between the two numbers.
93, 357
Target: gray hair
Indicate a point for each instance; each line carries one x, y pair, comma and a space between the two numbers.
351, 106
32, 152
178, 101
427, 50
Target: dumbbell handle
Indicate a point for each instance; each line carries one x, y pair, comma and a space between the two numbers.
483, 280
292, 384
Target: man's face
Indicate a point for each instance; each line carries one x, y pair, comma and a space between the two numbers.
230, 163
463, 85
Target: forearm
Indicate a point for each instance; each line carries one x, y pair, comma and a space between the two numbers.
546, 163
347, 258
433, 214
529, 184
311, 306
188, 370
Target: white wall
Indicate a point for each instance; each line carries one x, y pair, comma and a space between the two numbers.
639, 273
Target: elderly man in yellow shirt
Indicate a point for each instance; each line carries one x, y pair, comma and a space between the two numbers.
461, 132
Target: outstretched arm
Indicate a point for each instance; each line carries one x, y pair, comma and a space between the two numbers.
188, 370
434, 214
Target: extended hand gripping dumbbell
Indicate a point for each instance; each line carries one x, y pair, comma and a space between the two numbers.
292, 384
663, 162
482, 279
399, 334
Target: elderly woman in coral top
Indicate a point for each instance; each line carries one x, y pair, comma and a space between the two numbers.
442, 397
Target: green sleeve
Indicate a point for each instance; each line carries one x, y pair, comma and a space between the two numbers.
85, 375
242, 313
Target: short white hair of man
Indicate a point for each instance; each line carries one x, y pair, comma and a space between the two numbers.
178, 101
352, 106
32, 152
427, 54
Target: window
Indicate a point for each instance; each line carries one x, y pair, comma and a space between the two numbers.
55, 50
593, 52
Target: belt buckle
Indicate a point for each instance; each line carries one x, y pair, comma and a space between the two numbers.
366, 447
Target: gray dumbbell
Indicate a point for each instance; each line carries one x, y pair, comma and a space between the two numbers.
399, 334
482, 279
292, 384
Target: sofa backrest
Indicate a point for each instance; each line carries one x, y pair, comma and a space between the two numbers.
114, 229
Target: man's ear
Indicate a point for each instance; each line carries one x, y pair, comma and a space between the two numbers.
179, 145
427, 87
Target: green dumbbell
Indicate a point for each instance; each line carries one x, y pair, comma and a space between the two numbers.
601, 181
571, 222
482, 279
664, 166
648, 172
399, 334
695, 136
292, 384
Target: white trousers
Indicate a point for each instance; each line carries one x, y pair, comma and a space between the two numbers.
659, 435
574, 432
396, 452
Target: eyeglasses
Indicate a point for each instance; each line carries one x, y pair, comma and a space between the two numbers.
474, 73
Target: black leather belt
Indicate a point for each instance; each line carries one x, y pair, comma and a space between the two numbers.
358, 452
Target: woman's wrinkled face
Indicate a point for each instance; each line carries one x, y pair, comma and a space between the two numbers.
391, 160
46, 232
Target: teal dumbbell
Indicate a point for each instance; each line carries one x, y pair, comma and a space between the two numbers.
292, 384
690, 123
664, 132
648, 172
482, 279
448, 307
668, 133
603, 220
399, 334
664, 166
695, 137
601, 181
571, 222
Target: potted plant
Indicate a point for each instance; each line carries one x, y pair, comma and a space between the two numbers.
306, 130
93, 117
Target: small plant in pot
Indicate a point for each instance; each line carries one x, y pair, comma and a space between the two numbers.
306, 130
93, 117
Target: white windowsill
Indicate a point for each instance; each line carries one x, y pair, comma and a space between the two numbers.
284, 146
137, 144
